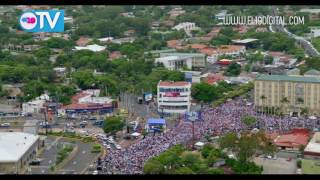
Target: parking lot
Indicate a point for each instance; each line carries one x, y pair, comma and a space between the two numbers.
277, 166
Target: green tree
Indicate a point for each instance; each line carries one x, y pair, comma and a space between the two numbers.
248, 120
153, 166
184, 170
113, 124
268, 60
206, 149
246, 145
234, 69
204, 92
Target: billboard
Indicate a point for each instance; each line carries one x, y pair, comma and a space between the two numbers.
147, 96
193, 116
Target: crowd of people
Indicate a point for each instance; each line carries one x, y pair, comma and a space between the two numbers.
214, 121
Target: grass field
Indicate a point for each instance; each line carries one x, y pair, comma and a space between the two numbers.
310, 167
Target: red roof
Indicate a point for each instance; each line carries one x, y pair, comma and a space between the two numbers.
213, 78
224, 62
173, 43
83, 41
76, 97
198, 46
178, 83
294, 139
115, 55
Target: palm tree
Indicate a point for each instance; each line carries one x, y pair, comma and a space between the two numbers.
304, 111
263, 98
300, 100
283, 101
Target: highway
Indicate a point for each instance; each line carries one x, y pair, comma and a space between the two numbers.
308, 47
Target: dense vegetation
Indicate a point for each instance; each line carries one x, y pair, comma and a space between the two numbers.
208, 93
179, 160
113, 124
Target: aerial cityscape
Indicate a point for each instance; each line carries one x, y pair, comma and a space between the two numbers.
150, 89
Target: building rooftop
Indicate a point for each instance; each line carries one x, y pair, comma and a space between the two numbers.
294, 139
314, 144
310, 10
293, 72
13, 145
183, 54
312, 72
93, 47
244, 41
168, 58
178, 83
264, 77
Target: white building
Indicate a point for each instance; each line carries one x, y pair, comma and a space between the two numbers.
123, 40
187, 27
93, 47
60, 71
176, 61
222, 14
105, 39
174, 97
234, 51
315, 32
36, 105
17, 149
68, 20
92, 96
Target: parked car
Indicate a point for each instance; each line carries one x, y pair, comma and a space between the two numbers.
99, 168
289, 159
92, 118
35, 162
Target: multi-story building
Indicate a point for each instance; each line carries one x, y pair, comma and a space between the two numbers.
187, 27
290, 94
315, 31
174, 97
213, 54
314, 14
176, 61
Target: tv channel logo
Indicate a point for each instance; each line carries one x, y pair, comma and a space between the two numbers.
42, 21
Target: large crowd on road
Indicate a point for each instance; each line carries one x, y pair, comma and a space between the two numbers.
214, 121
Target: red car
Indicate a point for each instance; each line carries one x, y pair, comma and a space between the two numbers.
289, 159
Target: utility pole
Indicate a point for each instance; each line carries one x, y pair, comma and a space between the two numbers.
45, 121
193, 134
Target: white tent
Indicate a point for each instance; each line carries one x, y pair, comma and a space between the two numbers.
200, 144
312, 117
135, 134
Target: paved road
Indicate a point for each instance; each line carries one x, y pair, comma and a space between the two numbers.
308, 47
77, 164
279, 166
81, 160
48, 156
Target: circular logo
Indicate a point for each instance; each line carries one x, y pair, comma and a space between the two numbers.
28, 21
